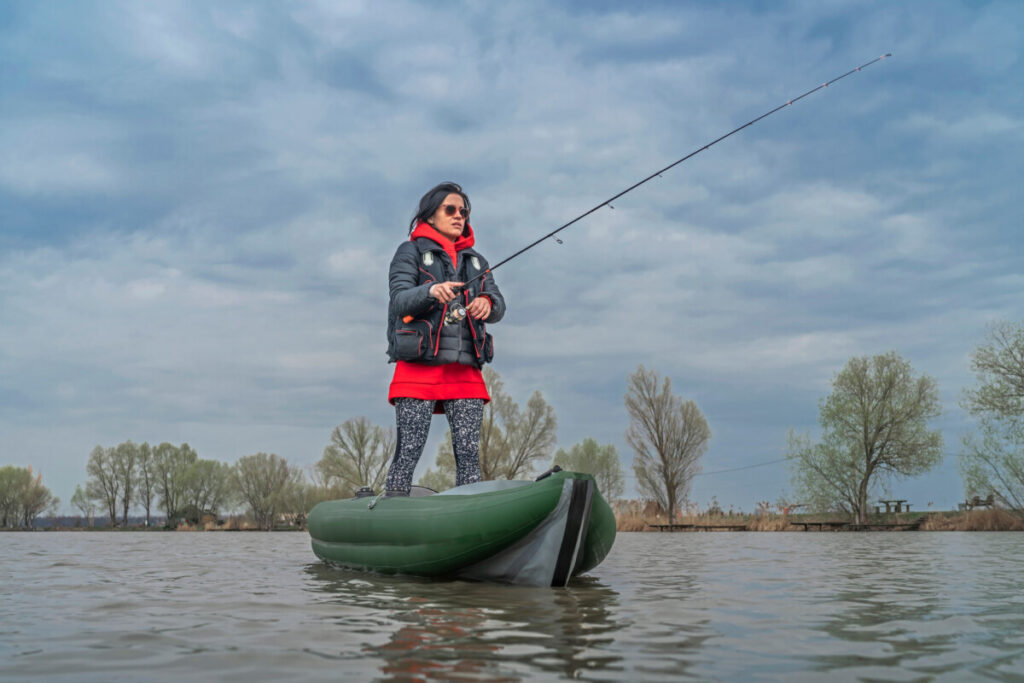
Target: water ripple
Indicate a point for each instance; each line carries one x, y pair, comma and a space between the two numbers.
768, 606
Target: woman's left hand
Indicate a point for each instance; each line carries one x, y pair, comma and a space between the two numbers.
479, 308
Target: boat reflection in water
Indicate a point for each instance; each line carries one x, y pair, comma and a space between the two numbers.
463, 628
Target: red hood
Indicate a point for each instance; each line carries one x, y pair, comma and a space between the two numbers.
451, 248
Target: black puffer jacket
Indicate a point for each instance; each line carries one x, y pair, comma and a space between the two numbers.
417, 266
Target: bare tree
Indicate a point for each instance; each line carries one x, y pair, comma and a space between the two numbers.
146, 479
874, 428
440, 479
13, 482
494, 444
22, 497
357, 456
207, 488
171, 464
104, 485
321, 487
668, 436
125, 457
307, 491
267, 484
992, 462
601, 461
81, 500
530, 435
35, 498
512, 440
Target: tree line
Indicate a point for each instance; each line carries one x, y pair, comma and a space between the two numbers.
175, 482
874, 431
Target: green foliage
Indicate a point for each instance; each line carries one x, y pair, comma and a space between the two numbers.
124, 460
668, 436
822, 478
357, 456
874, 429
104, 485
441, 479
206, 489
171, 466
268, 485
81, 501
12, 483
23, 497
145, 483
601, 461
130, 474
190, 488
992, 461
305, 497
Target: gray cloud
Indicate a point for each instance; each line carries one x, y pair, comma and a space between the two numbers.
199, 203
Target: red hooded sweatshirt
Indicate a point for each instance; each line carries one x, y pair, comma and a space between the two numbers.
439, 382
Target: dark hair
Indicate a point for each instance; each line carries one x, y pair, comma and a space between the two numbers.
433, 200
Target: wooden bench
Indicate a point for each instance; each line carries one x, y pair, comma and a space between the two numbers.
889, 504
978, 502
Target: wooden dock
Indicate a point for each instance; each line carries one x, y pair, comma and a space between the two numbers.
698, 527
895, 526
850, 526
822, 526
805, 525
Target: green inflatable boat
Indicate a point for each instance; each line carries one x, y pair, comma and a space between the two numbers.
536, 533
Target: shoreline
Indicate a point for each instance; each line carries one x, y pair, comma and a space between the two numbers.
972, 520
133, 529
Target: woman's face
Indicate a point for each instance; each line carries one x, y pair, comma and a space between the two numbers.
449, 221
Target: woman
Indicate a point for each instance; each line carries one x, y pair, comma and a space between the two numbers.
437, 335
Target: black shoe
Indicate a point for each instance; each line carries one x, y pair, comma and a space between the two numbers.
396, 494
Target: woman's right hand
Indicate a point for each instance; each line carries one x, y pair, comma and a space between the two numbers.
445, 291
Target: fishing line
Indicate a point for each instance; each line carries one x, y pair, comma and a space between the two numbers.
656, 174
745, 467
732, 469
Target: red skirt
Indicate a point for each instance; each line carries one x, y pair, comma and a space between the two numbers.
437, 383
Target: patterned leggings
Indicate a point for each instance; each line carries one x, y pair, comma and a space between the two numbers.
465, 415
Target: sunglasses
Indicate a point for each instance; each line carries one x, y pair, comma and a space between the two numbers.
450, 209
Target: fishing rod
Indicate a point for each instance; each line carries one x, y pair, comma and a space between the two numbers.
656, 174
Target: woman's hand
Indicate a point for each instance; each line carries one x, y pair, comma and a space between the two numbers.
479, 308
445, 291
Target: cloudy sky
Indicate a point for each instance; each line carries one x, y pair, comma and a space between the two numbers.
199, 202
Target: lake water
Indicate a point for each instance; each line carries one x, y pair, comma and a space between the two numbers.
704, 606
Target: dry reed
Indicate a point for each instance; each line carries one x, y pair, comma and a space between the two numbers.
973, 520
639, 515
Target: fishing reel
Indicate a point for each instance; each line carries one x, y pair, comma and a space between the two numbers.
456, 313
